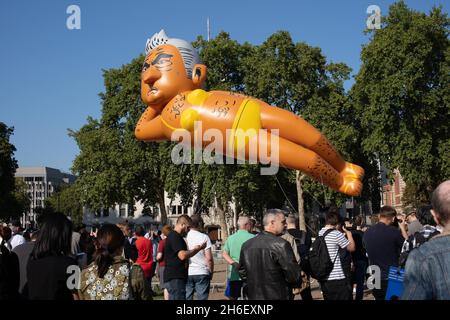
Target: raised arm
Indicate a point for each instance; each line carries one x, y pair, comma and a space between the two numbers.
186, 254
149, 126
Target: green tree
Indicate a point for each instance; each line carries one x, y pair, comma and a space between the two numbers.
401, 96
9, 207
66, 199
297, 77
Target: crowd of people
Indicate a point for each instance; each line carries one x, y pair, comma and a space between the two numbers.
118, 262
343, 255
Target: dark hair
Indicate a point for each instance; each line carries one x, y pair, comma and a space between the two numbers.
140, 232
358, 221
332, 218
387, 211
6, 233
109, 239
440, 200
16, 223
55, 237
424, 216
27, 236
197, 221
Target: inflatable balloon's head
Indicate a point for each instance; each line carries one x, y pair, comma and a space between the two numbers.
171, 66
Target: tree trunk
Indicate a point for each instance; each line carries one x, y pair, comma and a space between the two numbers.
162, 207
301, 205
222, 220
236, 214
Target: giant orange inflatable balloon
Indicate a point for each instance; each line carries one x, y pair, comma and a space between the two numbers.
171, 82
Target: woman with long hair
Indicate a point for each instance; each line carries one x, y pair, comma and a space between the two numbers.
110, 276
50, 260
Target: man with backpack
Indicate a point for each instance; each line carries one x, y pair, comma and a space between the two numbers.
325, 259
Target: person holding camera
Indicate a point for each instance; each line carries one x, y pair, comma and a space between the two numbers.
383, 243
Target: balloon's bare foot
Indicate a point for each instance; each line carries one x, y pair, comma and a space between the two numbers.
352, 171
351, 186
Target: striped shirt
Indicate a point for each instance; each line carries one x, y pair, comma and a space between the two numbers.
334, 241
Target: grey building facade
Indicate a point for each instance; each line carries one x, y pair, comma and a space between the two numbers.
41, 183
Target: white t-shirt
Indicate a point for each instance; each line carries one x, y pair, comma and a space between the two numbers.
16, 240
334, 241
197, 264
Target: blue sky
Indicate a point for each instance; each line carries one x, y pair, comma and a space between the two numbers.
50, 77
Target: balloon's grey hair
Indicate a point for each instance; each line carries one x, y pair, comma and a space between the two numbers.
187, 51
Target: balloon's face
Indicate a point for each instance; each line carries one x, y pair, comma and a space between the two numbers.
163, 76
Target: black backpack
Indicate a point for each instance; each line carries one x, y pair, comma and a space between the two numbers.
319, 259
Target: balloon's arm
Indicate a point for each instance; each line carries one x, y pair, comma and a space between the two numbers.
148, 127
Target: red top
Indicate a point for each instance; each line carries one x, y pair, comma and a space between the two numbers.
161, 246
145, 255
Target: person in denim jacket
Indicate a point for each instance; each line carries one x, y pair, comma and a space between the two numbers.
428, 267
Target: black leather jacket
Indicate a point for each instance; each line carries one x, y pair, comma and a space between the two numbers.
268, 265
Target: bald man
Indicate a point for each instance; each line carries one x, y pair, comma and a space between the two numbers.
231, 253
267, 261
177, 257
428, 267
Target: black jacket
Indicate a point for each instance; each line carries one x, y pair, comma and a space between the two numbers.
268, 266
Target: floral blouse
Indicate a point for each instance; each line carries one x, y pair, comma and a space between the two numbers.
115, 284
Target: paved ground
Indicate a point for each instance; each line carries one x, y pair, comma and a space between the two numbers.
217, 292
219, 281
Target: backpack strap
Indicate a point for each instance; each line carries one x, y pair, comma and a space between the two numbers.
324, 235
327, 232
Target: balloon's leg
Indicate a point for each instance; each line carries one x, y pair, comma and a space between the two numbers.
294, 156
299, 131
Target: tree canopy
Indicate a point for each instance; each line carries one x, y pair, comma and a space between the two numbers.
114, 167
13, 198
401, 96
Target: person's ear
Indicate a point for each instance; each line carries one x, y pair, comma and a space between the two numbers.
435, 217
199, 75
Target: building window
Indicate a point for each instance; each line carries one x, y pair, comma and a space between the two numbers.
105, 212
122, 210
38, 179
185, 209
